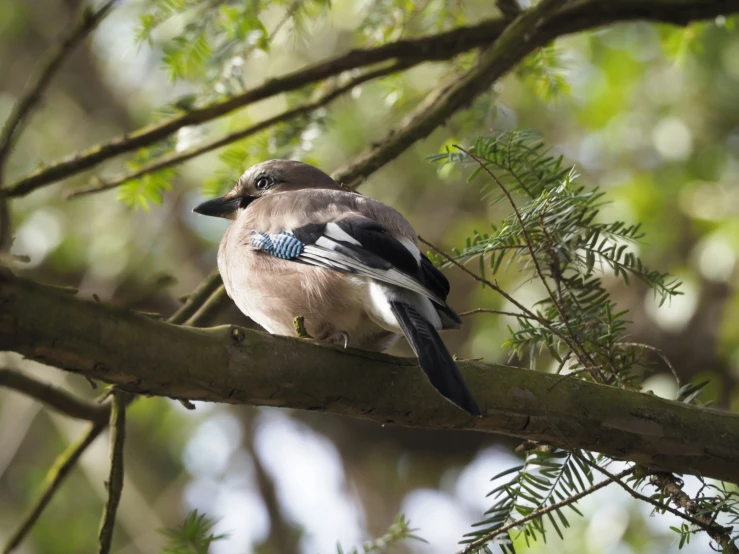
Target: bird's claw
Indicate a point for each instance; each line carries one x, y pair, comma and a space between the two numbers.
341, 336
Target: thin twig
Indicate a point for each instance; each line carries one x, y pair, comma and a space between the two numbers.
482, 541
54, 478
176, 158
531, 315
196, 299
115, 478
483, 280
580, 351
670, 486
35, 86
54, 397
659, 505
659, 353
497, 312
209, 307
291, 11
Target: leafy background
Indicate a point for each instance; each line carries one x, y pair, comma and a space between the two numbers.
647, 113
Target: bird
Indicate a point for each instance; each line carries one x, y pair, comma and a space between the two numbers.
300, 245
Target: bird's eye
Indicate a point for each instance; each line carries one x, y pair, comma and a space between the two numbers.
263, 182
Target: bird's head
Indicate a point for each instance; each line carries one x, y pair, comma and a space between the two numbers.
264, 179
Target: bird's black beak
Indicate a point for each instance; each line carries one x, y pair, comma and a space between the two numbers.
218, 207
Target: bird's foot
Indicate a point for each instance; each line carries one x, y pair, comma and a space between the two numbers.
340, 337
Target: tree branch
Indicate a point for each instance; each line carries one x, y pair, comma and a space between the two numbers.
476, 545
235, 365
669, 485
432, 48
54, 397
442, 103
115, 478
54, 478
196, 299
180, 157
576, 16
33, 90
716, 532
518, 39
67, 459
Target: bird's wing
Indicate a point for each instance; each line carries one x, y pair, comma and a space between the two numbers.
360, 246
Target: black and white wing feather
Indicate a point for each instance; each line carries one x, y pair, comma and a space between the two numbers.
361, 246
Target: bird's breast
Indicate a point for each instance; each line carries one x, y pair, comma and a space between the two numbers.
273, 292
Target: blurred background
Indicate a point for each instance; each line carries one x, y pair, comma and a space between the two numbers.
648, 113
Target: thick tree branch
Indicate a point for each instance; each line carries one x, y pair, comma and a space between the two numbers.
201, 296
235, 365
575, 16
54, 397
518, 40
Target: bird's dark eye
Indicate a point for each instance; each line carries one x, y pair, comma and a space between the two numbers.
263, 182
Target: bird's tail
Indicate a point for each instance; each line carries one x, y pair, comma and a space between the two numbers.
433, 356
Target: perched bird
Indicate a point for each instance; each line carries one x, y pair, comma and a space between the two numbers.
300, 245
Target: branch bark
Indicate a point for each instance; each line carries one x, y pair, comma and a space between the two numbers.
239, 366
115, 478
54, 397
575, 16
86, 23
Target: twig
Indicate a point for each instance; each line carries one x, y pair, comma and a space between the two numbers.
283, 535
670, 486
479, 543
717, 533
291, 11
196, 299
531, 315
54, 478
35, 86
53, 397
659, 353
580, 351
209, 307
497, 312
115, 478
180, 157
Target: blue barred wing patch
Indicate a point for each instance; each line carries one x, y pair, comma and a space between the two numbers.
283, 245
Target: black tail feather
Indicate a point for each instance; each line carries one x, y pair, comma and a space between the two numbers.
434, 358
